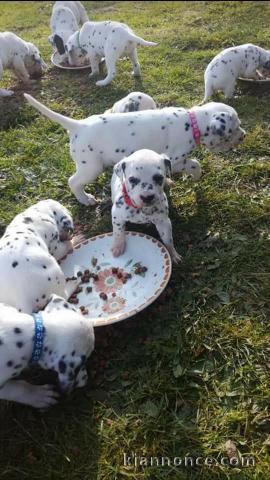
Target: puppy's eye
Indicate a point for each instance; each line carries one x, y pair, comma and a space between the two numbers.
133, 181
158, 179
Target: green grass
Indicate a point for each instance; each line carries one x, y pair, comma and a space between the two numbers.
191, 371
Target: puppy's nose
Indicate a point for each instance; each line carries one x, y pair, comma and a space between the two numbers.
149, 199
68, 227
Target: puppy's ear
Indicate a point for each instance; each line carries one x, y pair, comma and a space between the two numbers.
119, 168
218, 124
168, 166
58, 42
53, 302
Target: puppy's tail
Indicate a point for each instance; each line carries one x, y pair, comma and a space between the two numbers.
68, 123
140, 40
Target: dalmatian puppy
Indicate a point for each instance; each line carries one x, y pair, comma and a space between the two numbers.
66, 19
138, 196
234, 62
77, 9
100, 141
111, 40
68, 341
29, 250
23, 58
133, 102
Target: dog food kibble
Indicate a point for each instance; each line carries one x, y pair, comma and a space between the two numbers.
79, 274
85, 311
103, 296
114, 270
85, 279
82, 308
89, 289
86, 272
94, 261
95, 277
119, 275
140, 269
74, 300
69, 279
78, 290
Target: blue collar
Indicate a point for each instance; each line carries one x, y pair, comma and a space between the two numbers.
38, 338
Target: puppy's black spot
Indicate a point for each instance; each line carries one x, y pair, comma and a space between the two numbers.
17, 330
62, 366
19, 344
14, 264
158, 179
9, 363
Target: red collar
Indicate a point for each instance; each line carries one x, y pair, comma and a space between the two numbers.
195, 128
127, 199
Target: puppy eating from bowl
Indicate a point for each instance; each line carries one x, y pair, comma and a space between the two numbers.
138, 197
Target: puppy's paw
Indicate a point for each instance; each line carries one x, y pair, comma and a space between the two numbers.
79, 238
6, 93
176, 258
71, 286
169, 182
119, 248
42, 396
102, 83
88, 200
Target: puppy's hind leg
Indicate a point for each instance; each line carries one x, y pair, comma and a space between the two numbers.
76, 184
208, 90
135, 62
229, 90
86, 172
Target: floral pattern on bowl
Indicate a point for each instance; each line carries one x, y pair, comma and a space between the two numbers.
114, 291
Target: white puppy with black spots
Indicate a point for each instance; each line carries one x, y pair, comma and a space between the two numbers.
66, 19
138, 196
111, 40
68, 341
22, 58
133, 102
240, 61
103, 140
29, 250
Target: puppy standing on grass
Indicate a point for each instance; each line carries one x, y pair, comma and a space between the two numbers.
23, 58
111, 40
66, 19
234, 62
138, 196
103, 140
68, 340
29, 250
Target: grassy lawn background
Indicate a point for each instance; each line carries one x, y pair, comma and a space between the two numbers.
192, 371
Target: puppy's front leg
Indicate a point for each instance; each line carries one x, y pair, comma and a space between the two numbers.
94, 62
38, 396
119, 237
3, 91
20, 70
164, 228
